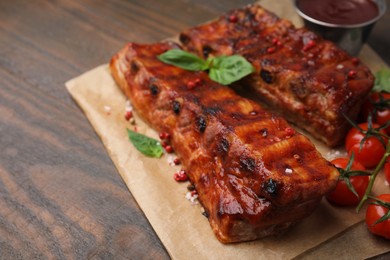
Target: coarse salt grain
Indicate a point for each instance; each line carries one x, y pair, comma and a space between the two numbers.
340, 67
192, 198
335, 154
288, 171
107, 109
171, 160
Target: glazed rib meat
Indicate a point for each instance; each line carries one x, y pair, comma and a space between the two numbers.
311, 81
254, 174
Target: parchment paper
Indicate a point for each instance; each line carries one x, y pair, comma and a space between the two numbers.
182, 228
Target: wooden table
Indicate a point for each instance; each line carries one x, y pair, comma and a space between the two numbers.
61, 196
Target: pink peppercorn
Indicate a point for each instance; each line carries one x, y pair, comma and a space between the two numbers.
180, 176
289, 131
233, 18
271, 50
176, 161
309, 45
168, 149
191, 84
128, 115
351, 74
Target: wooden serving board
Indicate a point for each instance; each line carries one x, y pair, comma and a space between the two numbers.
184, 231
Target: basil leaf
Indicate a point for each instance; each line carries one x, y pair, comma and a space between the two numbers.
146, 145
183, 59
382, 81
228, 69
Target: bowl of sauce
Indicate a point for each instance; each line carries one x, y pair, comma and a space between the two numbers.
348, 23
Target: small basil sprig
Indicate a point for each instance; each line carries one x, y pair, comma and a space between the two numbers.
146, 145
382, 81
223, 69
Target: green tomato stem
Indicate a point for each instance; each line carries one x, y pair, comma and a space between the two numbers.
373, 177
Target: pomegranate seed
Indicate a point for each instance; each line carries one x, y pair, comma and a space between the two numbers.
180, 176
233, 18
168, 149
191, 84
289, 131
352, 74
176, 161
275, 41
271, 49
128, 115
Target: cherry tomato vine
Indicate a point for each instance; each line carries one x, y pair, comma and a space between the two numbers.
368, 143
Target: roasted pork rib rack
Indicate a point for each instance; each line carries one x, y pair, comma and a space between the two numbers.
311, 81
254, 174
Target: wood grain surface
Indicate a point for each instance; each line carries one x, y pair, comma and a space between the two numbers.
60, 195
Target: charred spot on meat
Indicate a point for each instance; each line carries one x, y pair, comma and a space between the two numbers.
206, 50
271, 187
201, 123
223, 145
248, 164
176, 107
134, 67
153, 89
184, 38
266, 76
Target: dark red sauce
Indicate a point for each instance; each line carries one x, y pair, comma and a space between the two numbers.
341, 12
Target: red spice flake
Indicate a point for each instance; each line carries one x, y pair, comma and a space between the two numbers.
271, 50
233, 18
351, 74
191, 84
310, 44
128, 115
355, 61
180, 176
168, 149
194, 192
289, 131
176, 161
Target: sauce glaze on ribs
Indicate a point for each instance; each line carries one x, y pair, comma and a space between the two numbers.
312, 82
254, 175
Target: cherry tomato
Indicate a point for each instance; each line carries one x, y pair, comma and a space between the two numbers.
372, 150
341, 195
382, 115
375, 212
387, 171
